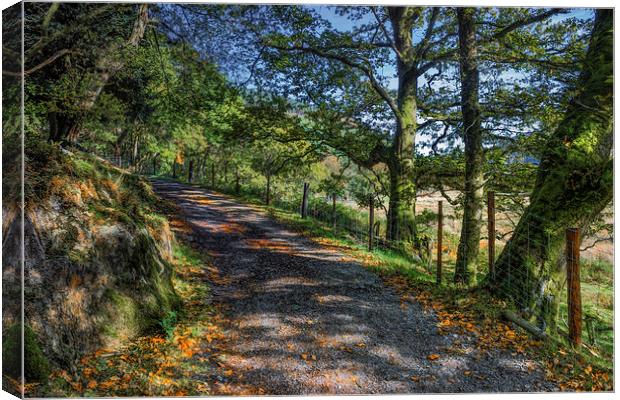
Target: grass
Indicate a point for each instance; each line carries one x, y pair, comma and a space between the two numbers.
597, 297
582, 370
573, 371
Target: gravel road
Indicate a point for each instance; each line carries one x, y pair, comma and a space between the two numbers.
306, 320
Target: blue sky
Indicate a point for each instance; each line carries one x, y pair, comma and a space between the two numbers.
344, 24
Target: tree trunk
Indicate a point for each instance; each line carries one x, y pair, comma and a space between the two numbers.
213, 174
134, 153
117, 154
401, 164
237, 186
268, 190
304, 201
334, 212
61, 127
106, 66
574, 183
118, 146
174, 169
371, 223
469, 244
190, 171
155, 163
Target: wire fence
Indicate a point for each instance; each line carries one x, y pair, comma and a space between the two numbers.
524, 258
520, 256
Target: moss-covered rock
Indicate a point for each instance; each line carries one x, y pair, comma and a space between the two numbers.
97, 268
36, 365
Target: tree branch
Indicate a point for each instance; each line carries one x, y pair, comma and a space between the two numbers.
498, 35
40, 65
424, 44
526, 21
387, 35
381, 91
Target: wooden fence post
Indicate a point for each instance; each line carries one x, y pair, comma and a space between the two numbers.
334, 212
491, 231
268, 190
439, 239
371, 223
574, 286
304, 201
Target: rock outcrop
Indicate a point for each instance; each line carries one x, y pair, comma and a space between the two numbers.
97, 256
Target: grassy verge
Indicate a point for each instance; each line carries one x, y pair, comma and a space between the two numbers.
468, 311
459, 309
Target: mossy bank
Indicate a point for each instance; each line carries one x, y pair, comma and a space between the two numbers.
97, 258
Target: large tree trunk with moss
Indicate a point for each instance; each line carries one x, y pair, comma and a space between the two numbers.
65, 128
469, 243
401, 154
574, 183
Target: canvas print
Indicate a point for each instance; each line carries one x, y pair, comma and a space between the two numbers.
227, 199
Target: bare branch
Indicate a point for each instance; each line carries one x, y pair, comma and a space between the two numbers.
387, 35
526, 21
253, 67
40, 65
424, 44
597, 241
447, 197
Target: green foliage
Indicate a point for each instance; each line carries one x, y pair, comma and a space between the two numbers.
362, 191
311, 106
168, 323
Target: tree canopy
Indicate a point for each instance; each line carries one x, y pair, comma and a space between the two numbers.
390, 101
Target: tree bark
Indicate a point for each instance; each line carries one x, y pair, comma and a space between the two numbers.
469, 243
190, 171
574, 182
334, 215
268, 190
401, 160
108, 65
213, 174
61, 126
304, 201
134, 153
155, 163
237, 186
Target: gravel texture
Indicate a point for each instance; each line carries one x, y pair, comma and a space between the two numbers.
305, 320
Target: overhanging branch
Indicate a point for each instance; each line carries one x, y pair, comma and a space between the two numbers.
38, 66
366, 70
